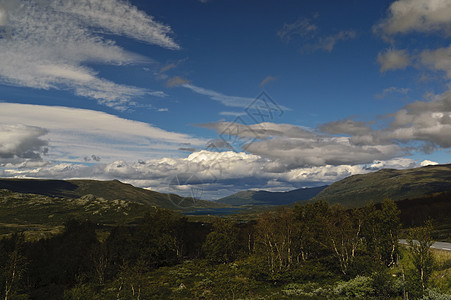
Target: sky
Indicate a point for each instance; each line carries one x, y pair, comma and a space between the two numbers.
205, 98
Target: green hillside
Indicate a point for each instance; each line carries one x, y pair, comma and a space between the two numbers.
357, 190
270, 198
19, 208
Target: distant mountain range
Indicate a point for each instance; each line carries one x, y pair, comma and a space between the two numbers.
270, 198
354, 191
357, 190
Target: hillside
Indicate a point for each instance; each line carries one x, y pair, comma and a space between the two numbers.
108, 190
19, 208
357, 190
270, 198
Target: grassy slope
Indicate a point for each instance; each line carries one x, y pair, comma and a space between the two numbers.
358, 190
18, 208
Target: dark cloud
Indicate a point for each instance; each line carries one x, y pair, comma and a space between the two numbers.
21, 142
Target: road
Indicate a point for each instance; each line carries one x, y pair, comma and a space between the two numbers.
437, 245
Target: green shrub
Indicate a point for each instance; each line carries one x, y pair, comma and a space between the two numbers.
359, 287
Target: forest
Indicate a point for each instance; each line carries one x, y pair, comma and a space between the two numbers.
310, 251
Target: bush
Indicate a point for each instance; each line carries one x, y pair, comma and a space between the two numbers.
359, 287
433, 294
309, 289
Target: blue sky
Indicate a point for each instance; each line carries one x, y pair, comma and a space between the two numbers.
218, 96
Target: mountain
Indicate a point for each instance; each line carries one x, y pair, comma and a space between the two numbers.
270, 198
357, 190
108, 190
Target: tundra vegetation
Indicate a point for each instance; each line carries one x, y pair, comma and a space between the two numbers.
311, 251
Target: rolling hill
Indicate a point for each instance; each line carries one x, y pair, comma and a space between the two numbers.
20, 208
270, 198
357, 190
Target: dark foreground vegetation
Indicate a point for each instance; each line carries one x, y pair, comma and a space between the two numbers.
314, 251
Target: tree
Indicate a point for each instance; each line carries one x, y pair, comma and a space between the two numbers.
221, 245
14, 265
100, 261
381, 231
344, 236
159, 238
311, 219
420, 242
130, 280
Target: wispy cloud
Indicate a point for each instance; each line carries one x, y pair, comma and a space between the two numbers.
327, 43
233, 101
232, 113
52, 42
392, 90
309, 33
267, 80
120, 18
176, 81
300, 28
226, 100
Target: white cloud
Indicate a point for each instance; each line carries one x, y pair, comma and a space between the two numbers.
51, 42
77, 133
428, 163
426, 121
421, 125
438, 59
396, 163
393, 59
321, 151
417, 15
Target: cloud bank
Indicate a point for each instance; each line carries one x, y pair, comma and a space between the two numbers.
417, 15
73, 134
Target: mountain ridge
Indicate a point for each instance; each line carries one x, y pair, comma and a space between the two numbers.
358, 190
270, 198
